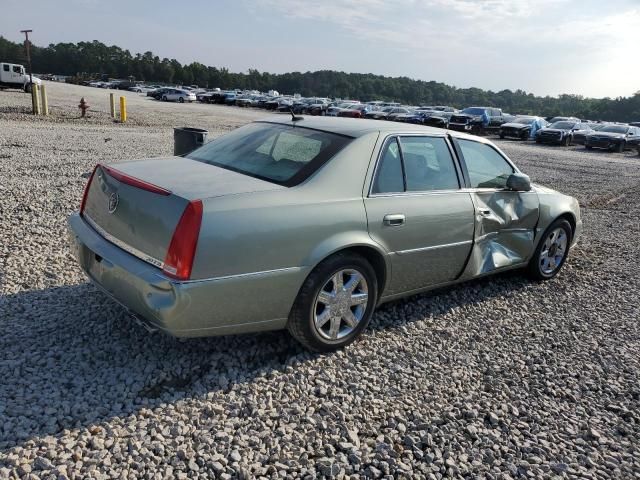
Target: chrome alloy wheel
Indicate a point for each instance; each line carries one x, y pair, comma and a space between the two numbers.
553, 251
340, 304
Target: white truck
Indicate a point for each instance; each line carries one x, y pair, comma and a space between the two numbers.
15, 76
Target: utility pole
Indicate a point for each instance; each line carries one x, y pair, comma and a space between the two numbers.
27, 46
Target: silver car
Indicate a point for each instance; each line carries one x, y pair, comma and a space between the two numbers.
309, 223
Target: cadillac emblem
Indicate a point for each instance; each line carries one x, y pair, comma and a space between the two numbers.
113, 202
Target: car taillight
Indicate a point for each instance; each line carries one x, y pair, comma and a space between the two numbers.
86, 190
135, 182
182, 249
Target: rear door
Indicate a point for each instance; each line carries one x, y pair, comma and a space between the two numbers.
418, 212
505, 220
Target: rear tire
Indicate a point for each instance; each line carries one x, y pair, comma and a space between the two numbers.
552, 251
502, 135
317, 318
524, 136
588, 147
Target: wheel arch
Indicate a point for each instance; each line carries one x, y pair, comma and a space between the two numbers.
365, 247
554, 206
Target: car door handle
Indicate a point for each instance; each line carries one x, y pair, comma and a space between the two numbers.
394, 220
485, 212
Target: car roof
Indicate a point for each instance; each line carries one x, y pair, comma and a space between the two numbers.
357, 127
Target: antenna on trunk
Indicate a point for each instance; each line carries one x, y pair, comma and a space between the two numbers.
293, 116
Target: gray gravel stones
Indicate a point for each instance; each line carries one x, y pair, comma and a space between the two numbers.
499, 378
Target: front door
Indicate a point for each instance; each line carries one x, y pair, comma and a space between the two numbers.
418, 213
505, 219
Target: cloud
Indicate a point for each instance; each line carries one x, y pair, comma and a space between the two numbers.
501, 41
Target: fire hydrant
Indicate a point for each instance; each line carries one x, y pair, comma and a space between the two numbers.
84, 106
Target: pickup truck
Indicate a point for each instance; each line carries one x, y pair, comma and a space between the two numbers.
14, 76
478, 120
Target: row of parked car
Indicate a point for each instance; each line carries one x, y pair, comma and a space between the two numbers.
568, 131
476, 120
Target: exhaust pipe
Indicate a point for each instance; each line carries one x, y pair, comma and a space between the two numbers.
144, 323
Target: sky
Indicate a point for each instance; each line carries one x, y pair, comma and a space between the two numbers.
545, 47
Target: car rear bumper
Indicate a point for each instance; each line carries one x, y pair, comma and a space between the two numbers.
216, 306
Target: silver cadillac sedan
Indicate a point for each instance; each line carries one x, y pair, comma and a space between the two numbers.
309, 223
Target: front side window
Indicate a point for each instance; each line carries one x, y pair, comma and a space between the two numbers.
428, 164
281, 154
17, 69
487, 168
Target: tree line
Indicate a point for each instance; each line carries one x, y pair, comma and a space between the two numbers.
94, 59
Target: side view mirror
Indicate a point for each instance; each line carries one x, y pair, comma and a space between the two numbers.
519, 182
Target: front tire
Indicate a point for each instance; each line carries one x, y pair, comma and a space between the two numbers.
164, 98
335, 303
181, 100
27, 88
567, 141
620, 147
552, 251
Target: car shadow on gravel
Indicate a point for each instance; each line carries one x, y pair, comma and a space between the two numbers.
72, 358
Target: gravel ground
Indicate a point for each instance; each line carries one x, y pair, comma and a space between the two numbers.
500, 378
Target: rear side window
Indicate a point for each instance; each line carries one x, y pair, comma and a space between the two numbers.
487, 168
5, 68
389, 176
415, 164
281, 154
428, 164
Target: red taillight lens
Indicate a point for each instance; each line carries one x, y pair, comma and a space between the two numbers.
86, 189
182, 249
135, 182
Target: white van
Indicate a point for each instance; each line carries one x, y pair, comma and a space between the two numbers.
14, 76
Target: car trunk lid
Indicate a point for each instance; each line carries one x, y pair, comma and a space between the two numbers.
138, 205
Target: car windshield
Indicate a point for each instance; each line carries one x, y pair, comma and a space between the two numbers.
562, 125
473, 111
615, 129
524, 120
281, 154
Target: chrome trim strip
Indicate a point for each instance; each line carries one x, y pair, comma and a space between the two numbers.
420, 193
238, 275
435, 247
119, 243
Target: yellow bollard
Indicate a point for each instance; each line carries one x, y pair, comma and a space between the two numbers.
123, 109
35, 101
112, 105
45, 101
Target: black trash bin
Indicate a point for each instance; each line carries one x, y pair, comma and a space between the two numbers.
187, 139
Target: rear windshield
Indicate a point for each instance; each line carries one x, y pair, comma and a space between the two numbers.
282, 154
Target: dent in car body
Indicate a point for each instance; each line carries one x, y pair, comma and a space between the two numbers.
505, 228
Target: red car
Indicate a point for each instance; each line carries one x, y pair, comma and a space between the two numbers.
356, 111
